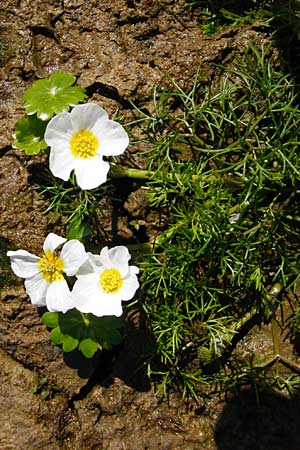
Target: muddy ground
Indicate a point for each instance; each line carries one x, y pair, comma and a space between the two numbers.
118, 50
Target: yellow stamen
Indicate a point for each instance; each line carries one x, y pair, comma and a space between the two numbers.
111, 281
84, 144
51, 267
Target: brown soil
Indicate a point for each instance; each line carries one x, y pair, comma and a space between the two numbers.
118, 50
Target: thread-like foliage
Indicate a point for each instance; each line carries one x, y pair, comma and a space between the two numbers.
227, 178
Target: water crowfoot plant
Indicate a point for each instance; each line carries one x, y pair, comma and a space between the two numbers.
227, 178
87, 317
104, 281
79, 140
44, 280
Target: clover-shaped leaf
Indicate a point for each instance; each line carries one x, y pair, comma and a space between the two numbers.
107, 330
53, 95
50, 319
88, 347
69, 343
86, 332
29, 135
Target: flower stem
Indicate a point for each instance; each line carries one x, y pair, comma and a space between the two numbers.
122, 172
85, 319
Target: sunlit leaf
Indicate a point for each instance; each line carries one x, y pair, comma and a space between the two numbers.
78, 230
69, 343
50, 319
56, 336
53, 95
86, 332
29, 135
88, 347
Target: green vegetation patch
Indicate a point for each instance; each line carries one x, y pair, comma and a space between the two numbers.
227, 172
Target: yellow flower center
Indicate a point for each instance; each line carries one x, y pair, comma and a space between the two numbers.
51, 267
111, 281
84, 144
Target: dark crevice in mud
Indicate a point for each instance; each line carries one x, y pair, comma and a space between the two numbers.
220, 58
56, 19
5, 150
44, 31
22, 358
27, 75
133, 20
148, 35
109, 92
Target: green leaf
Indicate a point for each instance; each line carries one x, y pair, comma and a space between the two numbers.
57, 336
85, 331
106, 330
53, 95
88, 347
72, 323
29, 135
69, 343
50, 319
78, 230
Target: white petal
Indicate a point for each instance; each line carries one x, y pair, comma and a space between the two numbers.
59, 297
112, 137
91, 173
23, 263
91, 264
73, 255
130, 285
109, 307
61, 163
59, 130
85, 116
104, 258
88, 298
134, 270
116, 258
85, 292
36, 287
58, 135
52, 241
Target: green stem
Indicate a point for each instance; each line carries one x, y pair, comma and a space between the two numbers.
122, 172
85, 319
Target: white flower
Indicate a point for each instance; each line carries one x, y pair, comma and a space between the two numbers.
44, 280
78, 142
104, 281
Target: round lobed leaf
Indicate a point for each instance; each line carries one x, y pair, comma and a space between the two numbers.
50, 319
53, 95
29, 135
88, 347
69, 343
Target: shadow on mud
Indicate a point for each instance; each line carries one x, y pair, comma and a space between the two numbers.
269, 422
127, 361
